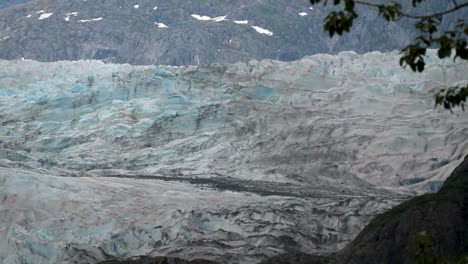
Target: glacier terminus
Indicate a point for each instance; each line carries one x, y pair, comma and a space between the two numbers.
228, 162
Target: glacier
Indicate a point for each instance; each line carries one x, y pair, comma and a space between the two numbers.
228, 162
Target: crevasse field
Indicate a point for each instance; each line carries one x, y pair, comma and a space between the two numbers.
234, 163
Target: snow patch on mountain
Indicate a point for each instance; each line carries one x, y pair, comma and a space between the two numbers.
45, 15
241, 22
219, 18
68, 15
208, 18
161, 25
201, 18
90, 20
262, 30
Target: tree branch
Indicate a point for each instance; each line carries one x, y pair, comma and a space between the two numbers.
460, 6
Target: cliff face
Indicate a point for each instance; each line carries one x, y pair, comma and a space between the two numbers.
181, 32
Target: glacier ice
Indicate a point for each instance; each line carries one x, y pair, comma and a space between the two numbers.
50, 219
230, 162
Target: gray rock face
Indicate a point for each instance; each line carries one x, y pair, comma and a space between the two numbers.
7, 3
165, 32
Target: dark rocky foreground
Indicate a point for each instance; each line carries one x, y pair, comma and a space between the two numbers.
390, 237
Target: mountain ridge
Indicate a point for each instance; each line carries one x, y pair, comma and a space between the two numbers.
180, 32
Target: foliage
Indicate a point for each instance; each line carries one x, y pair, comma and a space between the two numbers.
449, 43
425, 252
452, 97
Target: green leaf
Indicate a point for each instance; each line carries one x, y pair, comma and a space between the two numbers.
420, 64
452, 97
445, 49
461, 49
415, 2
349, 5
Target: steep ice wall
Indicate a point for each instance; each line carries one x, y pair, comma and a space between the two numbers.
336, 137
345, 118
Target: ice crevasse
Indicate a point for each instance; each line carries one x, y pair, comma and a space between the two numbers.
230, 162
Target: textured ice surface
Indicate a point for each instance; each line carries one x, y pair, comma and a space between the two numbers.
49, 219
330, 140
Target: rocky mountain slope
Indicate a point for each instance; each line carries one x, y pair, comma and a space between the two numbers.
182, 32
8, 3
227, 162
